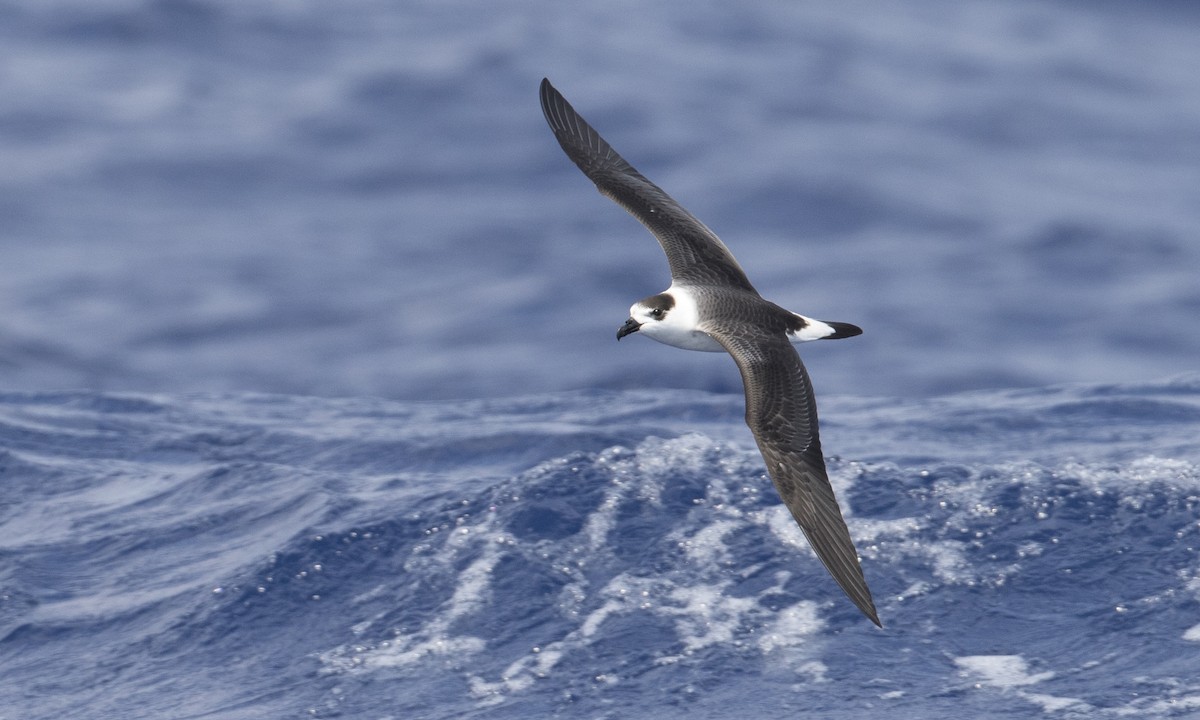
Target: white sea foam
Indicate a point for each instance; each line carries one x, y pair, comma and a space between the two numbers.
1010, 673
1002, 671
435, 638
791, 627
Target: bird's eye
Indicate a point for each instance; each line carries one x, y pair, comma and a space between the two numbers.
656, 313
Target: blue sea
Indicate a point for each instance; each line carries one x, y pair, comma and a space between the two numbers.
311, 404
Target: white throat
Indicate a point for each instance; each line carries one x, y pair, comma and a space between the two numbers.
681, 326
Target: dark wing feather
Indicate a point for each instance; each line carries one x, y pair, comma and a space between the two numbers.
782, 413
696, 255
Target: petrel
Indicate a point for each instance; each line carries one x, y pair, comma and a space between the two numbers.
711, 306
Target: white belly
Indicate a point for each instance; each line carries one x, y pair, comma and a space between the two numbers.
682, 338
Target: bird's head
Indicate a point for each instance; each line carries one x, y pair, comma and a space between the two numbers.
647, 315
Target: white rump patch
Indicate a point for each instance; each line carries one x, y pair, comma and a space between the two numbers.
814, 330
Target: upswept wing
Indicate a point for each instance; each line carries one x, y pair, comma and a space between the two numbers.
696, 255
782, 414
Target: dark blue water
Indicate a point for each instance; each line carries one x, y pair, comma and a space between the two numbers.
595, 554
310, 403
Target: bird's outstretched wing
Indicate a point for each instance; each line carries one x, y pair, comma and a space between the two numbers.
782, 414
696, 255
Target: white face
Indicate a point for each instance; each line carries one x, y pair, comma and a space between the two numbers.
648, 315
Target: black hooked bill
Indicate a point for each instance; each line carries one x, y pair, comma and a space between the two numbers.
630, 326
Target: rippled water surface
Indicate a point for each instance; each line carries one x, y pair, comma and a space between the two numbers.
310, 404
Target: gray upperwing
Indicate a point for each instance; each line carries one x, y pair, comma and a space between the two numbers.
696, 255
782, 413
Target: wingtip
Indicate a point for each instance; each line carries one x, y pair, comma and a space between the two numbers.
864, 603
552, 102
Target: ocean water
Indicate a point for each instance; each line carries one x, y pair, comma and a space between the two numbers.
595, 554
310, 403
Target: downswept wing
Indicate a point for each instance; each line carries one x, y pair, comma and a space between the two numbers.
696, 255
782, 414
